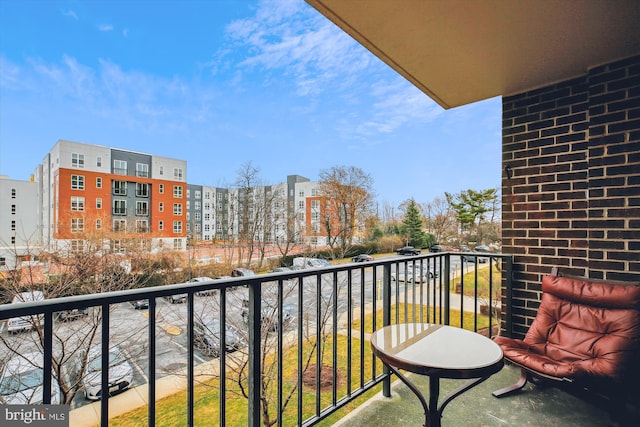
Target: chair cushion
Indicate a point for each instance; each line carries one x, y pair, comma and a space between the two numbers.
583, 328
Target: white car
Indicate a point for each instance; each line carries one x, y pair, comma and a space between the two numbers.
409, 275
25, 323
21, 381
203, 279
120, 372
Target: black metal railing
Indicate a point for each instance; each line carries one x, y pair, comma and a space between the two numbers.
286, 328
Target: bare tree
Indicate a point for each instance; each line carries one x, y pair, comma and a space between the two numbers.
89, 268
347, 201
441, 220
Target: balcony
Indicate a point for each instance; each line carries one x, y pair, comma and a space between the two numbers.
314, 321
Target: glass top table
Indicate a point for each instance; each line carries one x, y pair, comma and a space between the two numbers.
437, 351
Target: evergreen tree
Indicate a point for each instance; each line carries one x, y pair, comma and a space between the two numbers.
412, 225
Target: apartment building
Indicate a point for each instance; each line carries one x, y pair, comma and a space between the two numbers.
90, 196
116, 197
20, 237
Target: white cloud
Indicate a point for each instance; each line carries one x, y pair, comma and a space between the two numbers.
321, 60
105, 27
71, 14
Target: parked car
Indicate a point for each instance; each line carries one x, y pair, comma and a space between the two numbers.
73, 314
300, 263
362, 258
176, 298
203, 279
139, 304
21, 381
437, 248
408, 275
120, 372
280, 270
206, 337
25, 323
242, 272
269, 315
408, 250
485, 249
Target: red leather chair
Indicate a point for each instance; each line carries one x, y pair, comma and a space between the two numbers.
584, 330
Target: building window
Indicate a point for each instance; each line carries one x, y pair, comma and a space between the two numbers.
142, 208
3, 261
177, 208
301, 204
77, 160
142, 189
120, 188
188, 205
99, 161
119, 225
301, 194
77, 182
207, 227
77, 204
314, 192
160, 225
161, 207
13, 240
161, 170
161, 188
315, 216
315, 204
13, 225
119, 207
188, 193
77, 245
197, 228
98, 224
207, 217
119, 167
13, 209
99, 203
207, 195
177, 174
142, 226
98, 182
197, 216
177, 244
142, 170
177, 191
198, 194
13, 193
196, 206
177, 226
77, 225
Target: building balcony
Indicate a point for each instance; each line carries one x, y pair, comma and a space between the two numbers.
302, 335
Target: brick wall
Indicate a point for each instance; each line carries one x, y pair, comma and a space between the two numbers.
571, 181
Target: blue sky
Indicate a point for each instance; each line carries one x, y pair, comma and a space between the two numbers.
219, 83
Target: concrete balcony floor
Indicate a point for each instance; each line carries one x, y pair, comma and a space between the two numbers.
535, 405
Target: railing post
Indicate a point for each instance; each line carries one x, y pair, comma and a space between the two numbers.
447, 288
48, 352
509, 296
255, 371
386, 320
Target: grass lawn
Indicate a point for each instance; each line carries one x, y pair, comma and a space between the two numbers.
171, 411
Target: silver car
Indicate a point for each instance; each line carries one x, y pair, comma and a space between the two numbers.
21, 381
120, 372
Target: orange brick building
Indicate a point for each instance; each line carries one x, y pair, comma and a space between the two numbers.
116, 197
